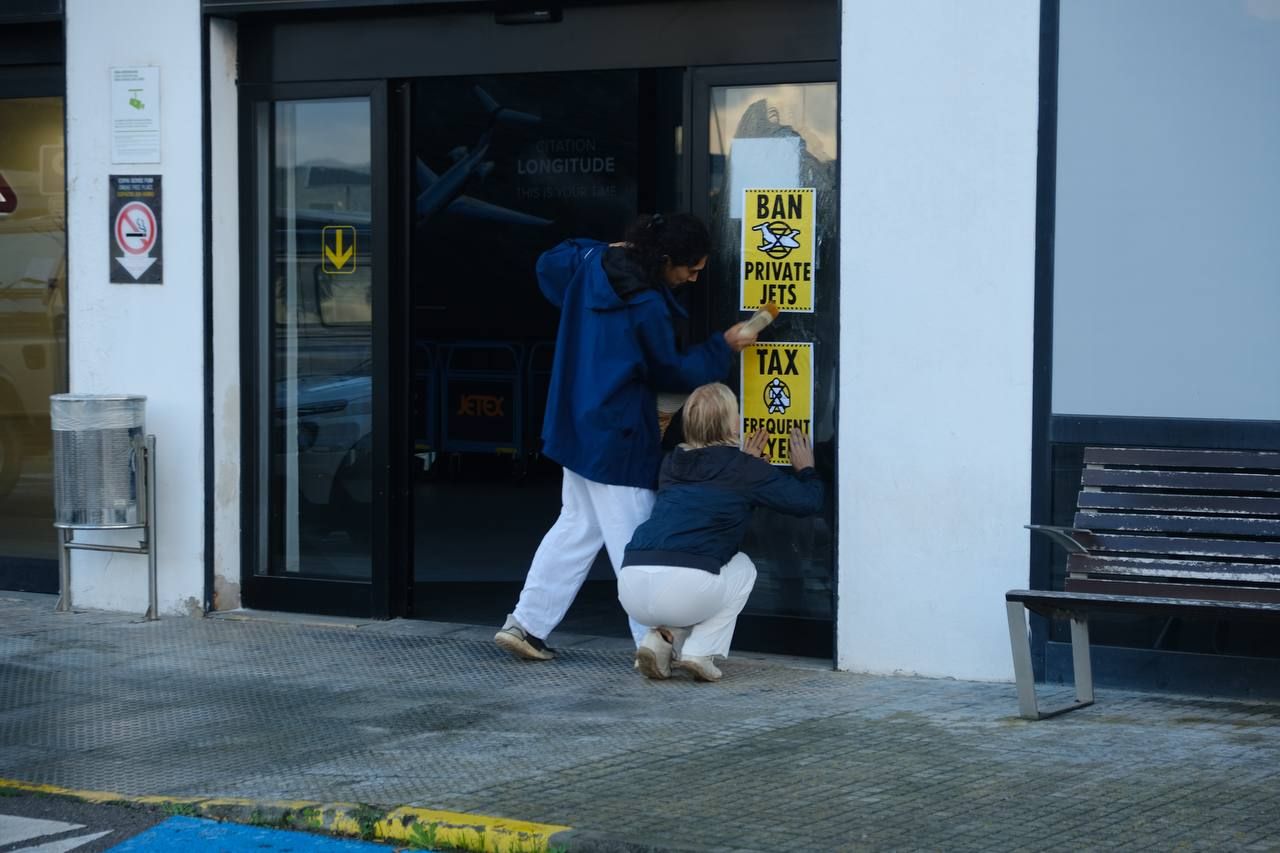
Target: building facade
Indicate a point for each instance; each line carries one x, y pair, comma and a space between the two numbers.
1034, 226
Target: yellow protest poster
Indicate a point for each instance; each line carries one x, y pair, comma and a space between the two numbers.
779, 228
777, 394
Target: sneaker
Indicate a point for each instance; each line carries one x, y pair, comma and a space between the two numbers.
522, 644
702, 668
653, 657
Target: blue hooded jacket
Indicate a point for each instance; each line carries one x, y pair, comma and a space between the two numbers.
705, 503
615, 350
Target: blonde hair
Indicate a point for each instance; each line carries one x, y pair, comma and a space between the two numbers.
710, 417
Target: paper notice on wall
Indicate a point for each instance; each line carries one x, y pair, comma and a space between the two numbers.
773, 162
135, 114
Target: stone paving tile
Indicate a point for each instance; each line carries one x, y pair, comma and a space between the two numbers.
776, 757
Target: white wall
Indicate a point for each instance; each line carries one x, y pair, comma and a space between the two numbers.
141, 339
225, 237
938, 159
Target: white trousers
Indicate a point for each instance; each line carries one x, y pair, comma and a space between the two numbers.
706, 606
591, 515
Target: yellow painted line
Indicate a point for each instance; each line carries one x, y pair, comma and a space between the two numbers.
87, 796
468, 831
424, 827
284, 805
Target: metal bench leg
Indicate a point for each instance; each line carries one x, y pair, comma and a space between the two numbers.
1023, 674
1080, 661
64, 571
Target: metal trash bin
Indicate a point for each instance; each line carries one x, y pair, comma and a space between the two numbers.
104, 478
98, 441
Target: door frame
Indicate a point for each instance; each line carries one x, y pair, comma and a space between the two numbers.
806, 635
370, 598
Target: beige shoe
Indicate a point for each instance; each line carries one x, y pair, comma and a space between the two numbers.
653, 657
514, 639
702, 668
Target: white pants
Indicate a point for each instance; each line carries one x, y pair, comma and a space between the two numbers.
591, 515
706, 606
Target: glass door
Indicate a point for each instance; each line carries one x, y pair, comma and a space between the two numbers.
774, 128
33, 334
505, 167
317, 366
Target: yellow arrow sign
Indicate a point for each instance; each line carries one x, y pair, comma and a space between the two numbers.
335, 256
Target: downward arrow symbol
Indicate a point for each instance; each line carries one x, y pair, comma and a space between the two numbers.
336, 255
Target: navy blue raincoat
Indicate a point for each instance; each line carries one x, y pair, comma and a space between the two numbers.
615, 350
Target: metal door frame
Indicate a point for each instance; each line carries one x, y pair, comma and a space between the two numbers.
804, 632
370, 598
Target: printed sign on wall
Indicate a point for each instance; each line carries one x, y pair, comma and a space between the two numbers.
136, 253
779, 227
777, 394
135, 114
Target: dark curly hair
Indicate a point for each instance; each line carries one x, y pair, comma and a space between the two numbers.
654, 239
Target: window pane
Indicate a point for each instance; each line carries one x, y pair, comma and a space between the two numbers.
320, 339
1167, 262
33, 334
782, 136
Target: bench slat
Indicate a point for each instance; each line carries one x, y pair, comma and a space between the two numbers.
1198, 480
1095, 564
1052, 603
1100, 521
1193, 503
1143, 457
1186, 547
1179, 547
1208, 592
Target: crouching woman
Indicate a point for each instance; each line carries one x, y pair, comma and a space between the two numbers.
683, 575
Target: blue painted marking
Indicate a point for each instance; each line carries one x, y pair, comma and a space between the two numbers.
207, 836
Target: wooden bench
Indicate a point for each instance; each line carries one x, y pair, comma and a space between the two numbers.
1158, 532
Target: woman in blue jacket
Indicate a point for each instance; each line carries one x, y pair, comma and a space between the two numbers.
616, 348
683, 573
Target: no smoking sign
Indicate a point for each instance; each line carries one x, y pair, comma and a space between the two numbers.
136, 228
135, 247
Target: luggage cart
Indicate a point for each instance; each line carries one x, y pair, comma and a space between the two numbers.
481, 399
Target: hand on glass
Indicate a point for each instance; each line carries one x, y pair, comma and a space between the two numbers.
801, 450
756, 443
739, 338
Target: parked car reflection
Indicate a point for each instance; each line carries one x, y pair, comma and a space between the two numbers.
331, 420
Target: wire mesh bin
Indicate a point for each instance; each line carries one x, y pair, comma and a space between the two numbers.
103, 477
98, 442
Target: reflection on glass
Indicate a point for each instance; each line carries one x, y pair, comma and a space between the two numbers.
320, 338
782, 136
33, 334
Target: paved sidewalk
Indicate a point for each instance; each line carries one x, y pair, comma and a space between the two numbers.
781, 755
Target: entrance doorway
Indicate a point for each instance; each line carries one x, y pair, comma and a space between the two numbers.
400, 349
548, 157
577, 155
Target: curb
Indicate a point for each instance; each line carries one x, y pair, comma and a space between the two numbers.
427, 828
